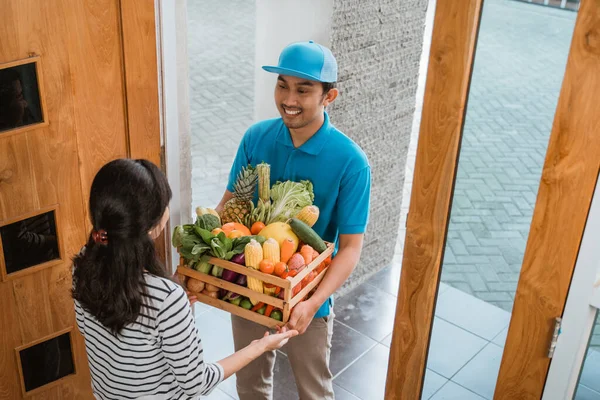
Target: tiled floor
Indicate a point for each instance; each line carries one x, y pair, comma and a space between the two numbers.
464, 358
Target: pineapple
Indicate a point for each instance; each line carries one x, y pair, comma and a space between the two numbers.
240, 206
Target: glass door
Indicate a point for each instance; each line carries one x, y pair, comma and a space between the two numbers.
575, 368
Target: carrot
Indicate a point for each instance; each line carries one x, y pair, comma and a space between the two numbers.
269, 310
258, 306
277, 290
287, 250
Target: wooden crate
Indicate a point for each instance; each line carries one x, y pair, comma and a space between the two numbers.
286, 285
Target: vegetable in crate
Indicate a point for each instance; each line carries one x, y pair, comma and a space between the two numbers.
271, 251
194, 285
254, 255
280, 231
262, 211
289, 198
240, 206
208, 222
307, 235
200, 211
309, 215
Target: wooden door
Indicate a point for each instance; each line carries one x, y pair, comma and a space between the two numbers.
565, 192
82, 90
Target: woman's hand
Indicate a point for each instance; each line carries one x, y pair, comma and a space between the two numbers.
277, 340
193, 299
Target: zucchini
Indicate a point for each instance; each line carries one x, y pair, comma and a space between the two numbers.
307, 235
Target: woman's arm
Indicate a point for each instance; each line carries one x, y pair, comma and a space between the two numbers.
183, 351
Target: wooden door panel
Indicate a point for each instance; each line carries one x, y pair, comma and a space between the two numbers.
10, 388
16, 178
95, 54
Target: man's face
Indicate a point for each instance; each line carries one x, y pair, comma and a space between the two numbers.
299, 101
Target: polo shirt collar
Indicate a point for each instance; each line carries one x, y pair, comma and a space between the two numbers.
314, 145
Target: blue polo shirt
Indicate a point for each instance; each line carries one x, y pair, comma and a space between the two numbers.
337, 167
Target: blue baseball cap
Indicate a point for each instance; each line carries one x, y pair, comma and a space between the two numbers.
308, 60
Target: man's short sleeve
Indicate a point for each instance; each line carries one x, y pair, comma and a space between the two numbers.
353, 202
241, 160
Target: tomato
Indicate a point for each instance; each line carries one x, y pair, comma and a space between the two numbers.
280, 268
266, 266
257, 227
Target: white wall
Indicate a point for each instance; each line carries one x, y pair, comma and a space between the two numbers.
175, 126
278, 23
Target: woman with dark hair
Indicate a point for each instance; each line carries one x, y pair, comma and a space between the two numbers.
139, 331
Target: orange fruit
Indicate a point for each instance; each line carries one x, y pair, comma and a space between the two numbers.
235, 234
279, 268
216, 231
266, 266
257, 227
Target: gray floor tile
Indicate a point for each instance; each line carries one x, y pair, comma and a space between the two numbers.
585, 393
451, 348
481, 373
366, 377
500, 340
343, 394
369, 310
471, 314
387, 341
433, 383
346, 346
452, 391
388, 279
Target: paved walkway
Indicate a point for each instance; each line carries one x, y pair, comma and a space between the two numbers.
221, 57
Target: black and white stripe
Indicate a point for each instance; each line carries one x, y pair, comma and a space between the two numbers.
159, 356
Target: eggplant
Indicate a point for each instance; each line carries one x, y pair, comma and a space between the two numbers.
239, 259
229, 276
222, 293
241, 280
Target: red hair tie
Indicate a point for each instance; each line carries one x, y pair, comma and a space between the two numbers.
100, 236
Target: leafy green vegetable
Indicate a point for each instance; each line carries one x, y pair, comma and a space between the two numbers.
289, 198
203, 265
208, 222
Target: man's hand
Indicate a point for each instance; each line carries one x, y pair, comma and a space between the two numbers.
302, 315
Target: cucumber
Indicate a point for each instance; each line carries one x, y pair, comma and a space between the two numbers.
307, 235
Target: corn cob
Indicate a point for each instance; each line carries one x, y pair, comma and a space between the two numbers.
264, 182
309, 215
271, 250
253, 254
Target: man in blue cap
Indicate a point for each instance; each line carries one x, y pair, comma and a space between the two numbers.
300, 145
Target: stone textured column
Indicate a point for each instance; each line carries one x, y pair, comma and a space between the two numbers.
378, 47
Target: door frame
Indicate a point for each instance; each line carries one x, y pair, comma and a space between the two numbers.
580, 312
566, 187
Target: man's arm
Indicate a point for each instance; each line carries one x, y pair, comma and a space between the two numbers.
342, 265
226, 197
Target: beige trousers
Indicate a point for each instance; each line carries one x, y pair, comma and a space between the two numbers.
308, 354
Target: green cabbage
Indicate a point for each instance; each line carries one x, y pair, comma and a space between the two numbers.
288, 198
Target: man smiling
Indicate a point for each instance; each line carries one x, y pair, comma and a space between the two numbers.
300, 145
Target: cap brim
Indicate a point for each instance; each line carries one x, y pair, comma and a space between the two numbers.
291, 72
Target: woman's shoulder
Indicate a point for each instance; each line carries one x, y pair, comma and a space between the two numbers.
160, 288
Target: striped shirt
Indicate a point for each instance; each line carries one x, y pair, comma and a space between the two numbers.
157, 357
